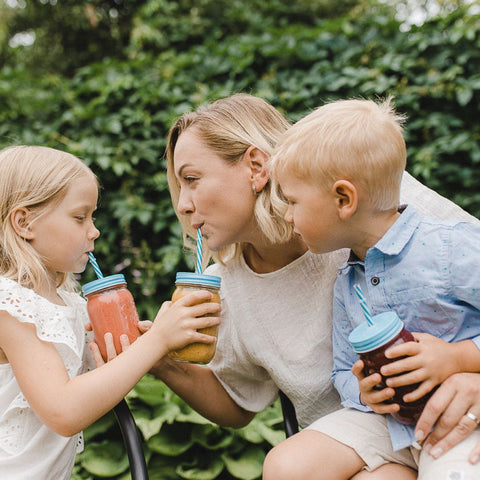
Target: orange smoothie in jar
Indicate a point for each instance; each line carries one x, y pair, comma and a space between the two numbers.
111, 308
186, 283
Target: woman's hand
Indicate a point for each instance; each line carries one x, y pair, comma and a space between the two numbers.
143, 326
110, 348
428, 361
371, 396
447, 409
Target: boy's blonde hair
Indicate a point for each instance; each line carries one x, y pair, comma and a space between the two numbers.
356, 140
35, 178
229, 126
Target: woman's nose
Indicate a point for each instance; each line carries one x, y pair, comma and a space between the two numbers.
185, 204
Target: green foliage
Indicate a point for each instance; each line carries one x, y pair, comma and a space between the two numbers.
68, 34
115, 114
179, 443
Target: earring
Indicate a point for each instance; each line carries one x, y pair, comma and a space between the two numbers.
254, 189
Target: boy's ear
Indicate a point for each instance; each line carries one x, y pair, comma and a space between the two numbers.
346, 198
20, 223
257, 161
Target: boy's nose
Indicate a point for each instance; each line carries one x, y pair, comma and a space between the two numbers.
288, 215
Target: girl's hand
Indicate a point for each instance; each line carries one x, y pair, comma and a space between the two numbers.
370, 396
447, 409
177, 324
428, 362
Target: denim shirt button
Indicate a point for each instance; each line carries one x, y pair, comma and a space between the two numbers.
375, 281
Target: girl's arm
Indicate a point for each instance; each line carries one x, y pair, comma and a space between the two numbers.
69, 405
196, 385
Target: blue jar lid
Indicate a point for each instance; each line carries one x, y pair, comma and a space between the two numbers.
104, 282
198, 279
366, 337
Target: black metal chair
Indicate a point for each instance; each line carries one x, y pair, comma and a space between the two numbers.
289, 416
132, 440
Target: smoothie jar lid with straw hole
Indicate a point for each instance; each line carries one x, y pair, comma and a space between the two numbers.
365, 337
104, 282
198, 279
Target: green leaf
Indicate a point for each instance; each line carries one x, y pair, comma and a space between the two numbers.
198, 470
149, 427
464, 95
102, 425
188, 415
105, 459
248, 465
271, 435
212, 437
150, 390
163, 468
172, 440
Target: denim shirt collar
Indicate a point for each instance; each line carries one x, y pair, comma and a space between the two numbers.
396, 237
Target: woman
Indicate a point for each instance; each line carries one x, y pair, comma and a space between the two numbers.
276, 320
454, 410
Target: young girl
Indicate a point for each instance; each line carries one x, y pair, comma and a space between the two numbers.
47, 200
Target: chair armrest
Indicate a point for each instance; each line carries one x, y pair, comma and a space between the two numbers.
289, 416
132, 440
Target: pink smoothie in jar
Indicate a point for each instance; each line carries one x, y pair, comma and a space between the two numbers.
111, 308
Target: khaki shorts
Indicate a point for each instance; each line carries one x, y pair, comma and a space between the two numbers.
367, 434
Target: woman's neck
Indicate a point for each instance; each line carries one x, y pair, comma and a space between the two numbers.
266, 258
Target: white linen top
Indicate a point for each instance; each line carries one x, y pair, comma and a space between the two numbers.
28, 448
276, 327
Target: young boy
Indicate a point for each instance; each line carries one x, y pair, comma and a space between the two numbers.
340, 170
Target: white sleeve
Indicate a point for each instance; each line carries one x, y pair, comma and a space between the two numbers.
428, 202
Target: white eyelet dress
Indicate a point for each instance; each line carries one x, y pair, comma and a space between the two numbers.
29, 449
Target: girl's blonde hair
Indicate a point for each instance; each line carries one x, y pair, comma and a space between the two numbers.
229, 126
356, 140
35, 178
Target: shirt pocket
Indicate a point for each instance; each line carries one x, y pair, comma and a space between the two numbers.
422, 310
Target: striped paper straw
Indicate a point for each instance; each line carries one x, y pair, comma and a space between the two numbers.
95, 266
198, 267
363, 303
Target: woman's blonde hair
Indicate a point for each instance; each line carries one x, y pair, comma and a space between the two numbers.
356, 140
229, 126
35, 178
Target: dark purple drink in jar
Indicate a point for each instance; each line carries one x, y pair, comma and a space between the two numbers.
371, 341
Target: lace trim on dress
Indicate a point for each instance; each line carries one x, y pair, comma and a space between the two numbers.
64, 326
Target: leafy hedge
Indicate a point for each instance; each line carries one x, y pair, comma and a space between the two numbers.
115, 114
179, 443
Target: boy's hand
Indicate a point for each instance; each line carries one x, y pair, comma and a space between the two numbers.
428, 362
373, 397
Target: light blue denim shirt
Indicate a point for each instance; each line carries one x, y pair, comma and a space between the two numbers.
428, 272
